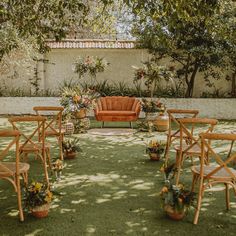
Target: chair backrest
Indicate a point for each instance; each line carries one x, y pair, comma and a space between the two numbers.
54, 117
186, 130
29, 137
117, 103
222, 161
174, 114
14, 140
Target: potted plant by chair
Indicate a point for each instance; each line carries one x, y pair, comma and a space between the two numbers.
37, 199
155, 149
70, 148
176, 199
151, 108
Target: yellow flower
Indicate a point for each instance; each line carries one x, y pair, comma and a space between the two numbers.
38, 186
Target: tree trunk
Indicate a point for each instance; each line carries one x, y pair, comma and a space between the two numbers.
190, 83
233, 91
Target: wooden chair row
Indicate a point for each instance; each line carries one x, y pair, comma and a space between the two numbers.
198, 144
30, 142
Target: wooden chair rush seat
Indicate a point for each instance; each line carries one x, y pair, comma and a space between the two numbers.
29, 141
173, 119
53, 125
193, 146
11, 171
214, 173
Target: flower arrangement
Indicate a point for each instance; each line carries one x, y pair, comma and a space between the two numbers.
37, 194
74, 99
149, 106
155, 146
57, 166
71, 145
152, 73
91, 65
175, 198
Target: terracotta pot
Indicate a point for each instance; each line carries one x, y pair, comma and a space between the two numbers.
40, 211
173, 214
161, 123
154, 156
80, 114
69, 155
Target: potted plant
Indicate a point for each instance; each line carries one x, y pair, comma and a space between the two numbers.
70, 147
37, 199
76, 101
155, 149
151, 108
175, 198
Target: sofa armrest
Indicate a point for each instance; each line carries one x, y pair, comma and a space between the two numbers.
136, 107
98, 107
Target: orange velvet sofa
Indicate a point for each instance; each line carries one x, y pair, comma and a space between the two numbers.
117, 108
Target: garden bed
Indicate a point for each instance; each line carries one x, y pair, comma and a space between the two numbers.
209, 107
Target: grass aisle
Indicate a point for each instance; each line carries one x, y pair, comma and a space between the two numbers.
112, 188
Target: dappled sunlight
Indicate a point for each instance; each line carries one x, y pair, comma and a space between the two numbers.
112, 188
35, 232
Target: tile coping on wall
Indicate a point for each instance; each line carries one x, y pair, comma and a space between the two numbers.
212, 108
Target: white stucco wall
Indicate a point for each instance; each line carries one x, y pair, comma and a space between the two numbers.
211, 108
59, 68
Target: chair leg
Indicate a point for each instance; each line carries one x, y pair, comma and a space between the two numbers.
102, 124
194, 181
49, 158
166, 155
19, 198
199, 202
178, 166
45, 167
227, 196
60, 140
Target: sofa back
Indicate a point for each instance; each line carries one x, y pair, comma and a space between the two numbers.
117, 103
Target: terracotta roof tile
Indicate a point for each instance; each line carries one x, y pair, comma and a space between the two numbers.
95, 43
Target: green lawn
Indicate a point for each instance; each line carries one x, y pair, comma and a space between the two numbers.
112, 188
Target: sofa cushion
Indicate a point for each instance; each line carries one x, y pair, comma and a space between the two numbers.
117, 103
116, 113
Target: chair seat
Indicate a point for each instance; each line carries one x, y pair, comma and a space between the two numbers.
193, 150
219, 175
33, 147
116, 113
23, 168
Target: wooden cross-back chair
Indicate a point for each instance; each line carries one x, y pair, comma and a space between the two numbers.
53, 126
29, 142
215, 172
192, 145
174, 134
11, 171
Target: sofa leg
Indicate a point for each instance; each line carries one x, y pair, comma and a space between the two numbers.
102, 124
131, 124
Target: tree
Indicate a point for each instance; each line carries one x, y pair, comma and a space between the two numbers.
185, 31
38, 20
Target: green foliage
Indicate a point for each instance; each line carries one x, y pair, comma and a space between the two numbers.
36, 21
152, 73
37, 194
175, 196
71, 145
188, 32
155, 146
91, 65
